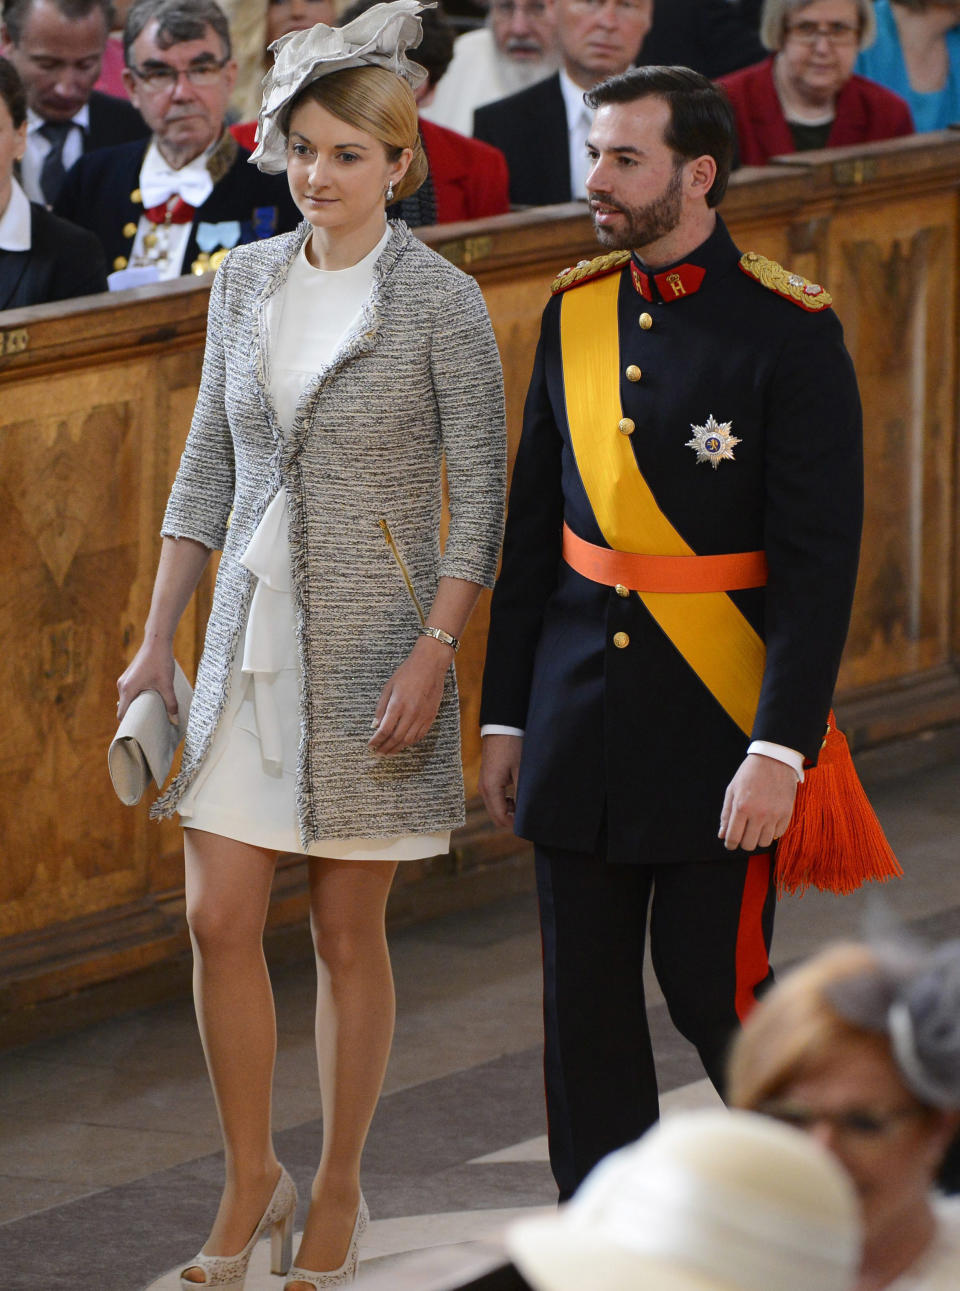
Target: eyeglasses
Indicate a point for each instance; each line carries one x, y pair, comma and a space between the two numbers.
161, 77
858, 1124
835, 33
509, 9
621, 6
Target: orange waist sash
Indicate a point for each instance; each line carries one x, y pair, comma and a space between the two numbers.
643, 573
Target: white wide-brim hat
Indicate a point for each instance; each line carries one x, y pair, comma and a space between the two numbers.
706, 1201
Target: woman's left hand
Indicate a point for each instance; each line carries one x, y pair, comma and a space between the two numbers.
410, 700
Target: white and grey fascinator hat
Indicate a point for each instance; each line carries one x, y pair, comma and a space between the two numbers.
380, 37
912, 996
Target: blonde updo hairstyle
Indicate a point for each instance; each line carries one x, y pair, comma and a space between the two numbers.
377, 101
795, 1031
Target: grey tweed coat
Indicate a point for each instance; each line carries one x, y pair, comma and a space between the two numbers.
417, 382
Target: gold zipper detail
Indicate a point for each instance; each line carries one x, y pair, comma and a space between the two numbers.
388, 537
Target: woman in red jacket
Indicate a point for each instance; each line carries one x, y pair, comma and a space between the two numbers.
806, 96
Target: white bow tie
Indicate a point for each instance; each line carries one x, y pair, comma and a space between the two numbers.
193, 183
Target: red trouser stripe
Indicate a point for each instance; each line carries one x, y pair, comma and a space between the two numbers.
753, 963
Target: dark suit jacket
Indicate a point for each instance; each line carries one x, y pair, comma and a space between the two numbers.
112, 121
97, 195
628, 744
530, 129
708, 35
63, 261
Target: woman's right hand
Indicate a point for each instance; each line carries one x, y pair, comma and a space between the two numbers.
151, 669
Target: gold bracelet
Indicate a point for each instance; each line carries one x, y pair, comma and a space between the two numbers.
438, 634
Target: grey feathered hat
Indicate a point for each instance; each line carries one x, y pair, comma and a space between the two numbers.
379, 37
913, 996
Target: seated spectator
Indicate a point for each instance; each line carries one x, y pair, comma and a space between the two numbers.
177, 202
806, 96
542, 131
42, 258
917, 54
57, 47
708, 35
467, 179
705, 1201
861, 1048
514, 50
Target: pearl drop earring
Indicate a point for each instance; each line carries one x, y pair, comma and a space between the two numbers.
390, 191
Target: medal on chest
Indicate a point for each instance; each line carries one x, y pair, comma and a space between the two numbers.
713, 442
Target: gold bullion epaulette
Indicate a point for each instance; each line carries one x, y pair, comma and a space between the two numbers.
587, 270
791, 286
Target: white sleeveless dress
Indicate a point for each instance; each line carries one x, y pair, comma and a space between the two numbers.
246, 788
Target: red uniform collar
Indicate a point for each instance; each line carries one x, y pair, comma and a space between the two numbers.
670, 284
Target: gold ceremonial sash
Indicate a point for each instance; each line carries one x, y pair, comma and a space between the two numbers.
706, 627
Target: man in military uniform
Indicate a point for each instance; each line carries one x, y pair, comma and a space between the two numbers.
666, 631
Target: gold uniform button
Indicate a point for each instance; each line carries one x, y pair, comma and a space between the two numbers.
129, 230
626, 426
633, 373
136, 197
621, 590
621, 640
120, 262
646, 321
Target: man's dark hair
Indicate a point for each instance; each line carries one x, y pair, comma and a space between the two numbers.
435, 50
13, 93
16, 12
701, 118
177, 21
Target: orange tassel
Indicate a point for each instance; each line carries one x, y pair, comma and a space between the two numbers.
834, 841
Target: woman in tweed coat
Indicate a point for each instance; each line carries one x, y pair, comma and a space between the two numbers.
357, 468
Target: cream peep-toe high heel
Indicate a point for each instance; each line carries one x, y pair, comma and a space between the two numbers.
347, 1271
227, 1272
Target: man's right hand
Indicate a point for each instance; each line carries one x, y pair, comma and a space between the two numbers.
498, 777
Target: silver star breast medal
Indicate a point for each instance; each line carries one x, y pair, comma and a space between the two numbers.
713, 442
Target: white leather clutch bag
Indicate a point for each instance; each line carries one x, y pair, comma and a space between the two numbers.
146, 740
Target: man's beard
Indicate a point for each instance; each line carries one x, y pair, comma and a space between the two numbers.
645, 224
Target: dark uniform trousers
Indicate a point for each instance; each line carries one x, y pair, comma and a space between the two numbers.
711, 925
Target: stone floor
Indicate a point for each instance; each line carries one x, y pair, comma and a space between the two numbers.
109, 1162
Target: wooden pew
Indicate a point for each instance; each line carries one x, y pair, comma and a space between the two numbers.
95, 400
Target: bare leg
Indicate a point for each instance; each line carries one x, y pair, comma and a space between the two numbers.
355, 1014
228, 891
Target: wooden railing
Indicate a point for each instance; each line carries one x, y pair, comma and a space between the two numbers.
95, 400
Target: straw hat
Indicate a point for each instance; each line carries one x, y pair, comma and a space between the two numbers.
706, 1201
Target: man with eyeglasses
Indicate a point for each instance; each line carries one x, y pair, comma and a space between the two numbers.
177, 202
57, 48
542, 131
516, 48
806, 96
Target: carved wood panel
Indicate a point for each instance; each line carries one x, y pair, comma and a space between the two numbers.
80, 468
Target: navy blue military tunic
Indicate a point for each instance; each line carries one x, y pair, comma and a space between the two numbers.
624, 745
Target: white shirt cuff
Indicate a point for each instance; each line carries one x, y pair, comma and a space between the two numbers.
491, 728
780, 753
